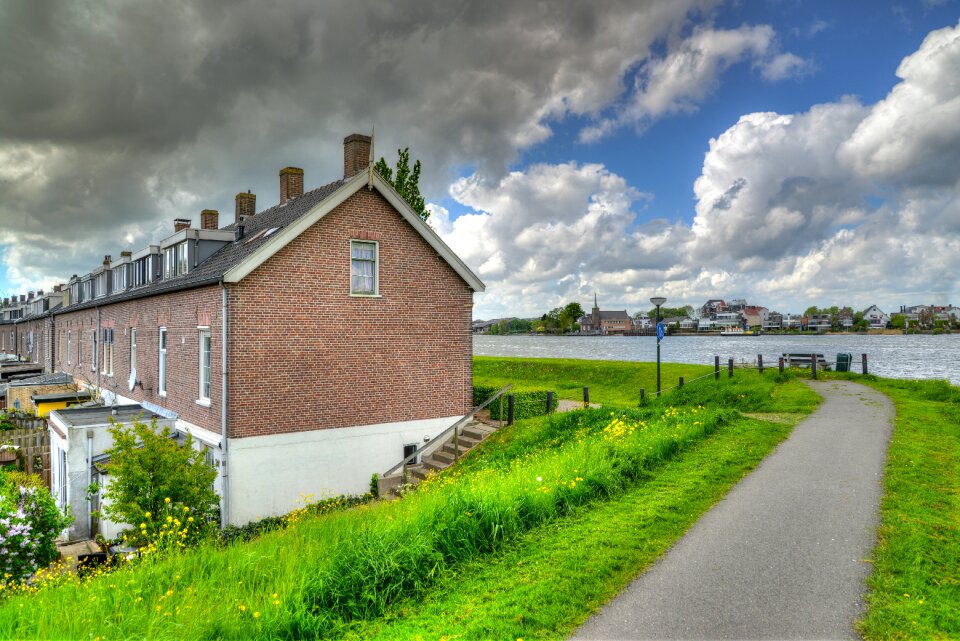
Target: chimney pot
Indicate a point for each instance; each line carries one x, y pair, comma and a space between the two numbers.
29, 295
209, 219
126, 253
291, 183
180, 224
246, 205
57, 288
107, 260
356, 154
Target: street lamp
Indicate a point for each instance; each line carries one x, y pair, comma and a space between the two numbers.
658, 301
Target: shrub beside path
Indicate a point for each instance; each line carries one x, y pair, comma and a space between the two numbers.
786, 554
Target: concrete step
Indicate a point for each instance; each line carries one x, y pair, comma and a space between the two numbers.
434, 465
445, 456
475, 432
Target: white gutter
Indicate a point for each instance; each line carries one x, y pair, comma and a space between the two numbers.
224, 468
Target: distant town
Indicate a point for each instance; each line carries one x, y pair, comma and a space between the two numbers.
721, 316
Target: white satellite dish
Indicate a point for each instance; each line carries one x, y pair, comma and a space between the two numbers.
133, 380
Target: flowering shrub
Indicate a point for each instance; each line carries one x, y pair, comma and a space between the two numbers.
29, 525
173, 529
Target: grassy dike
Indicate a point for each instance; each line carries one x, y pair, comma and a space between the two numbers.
915, 585
526, 538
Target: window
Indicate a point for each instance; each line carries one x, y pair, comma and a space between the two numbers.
133, 350
205, 365
102, 288
69, 347
363, 268
107, 367
410, 450
86, 288
120, 278
79, 347
162, 375
93, 350
175, 260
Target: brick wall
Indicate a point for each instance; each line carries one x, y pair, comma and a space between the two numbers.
306, 355
23, 394
181, 313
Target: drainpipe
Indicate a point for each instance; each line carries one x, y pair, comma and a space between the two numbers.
224, 467
96, 353
89, 483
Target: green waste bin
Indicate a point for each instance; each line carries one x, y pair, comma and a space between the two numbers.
843, 362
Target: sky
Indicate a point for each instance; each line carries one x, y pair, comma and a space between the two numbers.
789, 153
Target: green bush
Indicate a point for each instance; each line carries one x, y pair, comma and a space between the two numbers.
29, 525
526, 403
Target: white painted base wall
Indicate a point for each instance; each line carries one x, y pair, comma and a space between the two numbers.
269, 475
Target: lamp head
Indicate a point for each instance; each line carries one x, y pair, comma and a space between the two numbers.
658, 300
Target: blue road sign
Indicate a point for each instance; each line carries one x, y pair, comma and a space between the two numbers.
661, 330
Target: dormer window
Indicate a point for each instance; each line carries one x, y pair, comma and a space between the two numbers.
175, 262
102, 284
120, 278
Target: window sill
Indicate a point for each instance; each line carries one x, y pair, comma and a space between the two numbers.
203, 402
163, 394
353, 295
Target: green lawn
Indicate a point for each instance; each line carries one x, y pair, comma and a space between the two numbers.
915, 585
610, 382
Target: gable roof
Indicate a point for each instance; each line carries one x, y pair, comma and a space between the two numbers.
320, 209
238, 258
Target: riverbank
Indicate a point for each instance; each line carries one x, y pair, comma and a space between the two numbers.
892, 356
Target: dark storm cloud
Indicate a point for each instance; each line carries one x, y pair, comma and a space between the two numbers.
116, 116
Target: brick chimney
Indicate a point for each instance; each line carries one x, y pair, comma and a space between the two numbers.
29, 296
356, 154
209, 219
107, 260
291, 183
180, 224
23, 298
57, 288
247, 204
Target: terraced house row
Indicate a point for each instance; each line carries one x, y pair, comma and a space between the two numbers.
303, 346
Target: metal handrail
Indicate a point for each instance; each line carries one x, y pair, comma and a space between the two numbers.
438, 440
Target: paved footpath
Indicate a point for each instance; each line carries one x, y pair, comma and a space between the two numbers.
784, 555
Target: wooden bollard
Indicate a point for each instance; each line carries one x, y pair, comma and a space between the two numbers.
549, 402
716, 368
813, 366
760, 363
730, 368
680, 384
863, 362
586, 396
510, 409
643, 395
780, 364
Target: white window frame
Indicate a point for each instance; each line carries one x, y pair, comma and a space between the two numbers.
93, 350
79, 348
205, 369
376, 268
133, 349
183, 258
107, 365
69, 347
162, 362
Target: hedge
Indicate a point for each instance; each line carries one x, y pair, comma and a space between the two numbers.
526, 403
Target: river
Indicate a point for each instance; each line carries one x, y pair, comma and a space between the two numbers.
894, 356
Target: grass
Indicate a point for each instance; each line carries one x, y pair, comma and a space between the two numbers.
611, 382
915, 585
544, 493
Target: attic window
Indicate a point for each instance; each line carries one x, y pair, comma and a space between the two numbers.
262, 234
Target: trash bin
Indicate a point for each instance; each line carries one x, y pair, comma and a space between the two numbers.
843, 362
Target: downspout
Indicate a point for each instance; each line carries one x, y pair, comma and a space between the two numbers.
89, 483
96, 353
224, 467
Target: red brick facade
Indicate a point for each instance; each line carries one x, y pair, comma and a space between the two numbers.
304, 354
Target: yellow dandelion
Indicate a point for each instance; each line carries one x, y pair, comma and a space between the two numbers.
166, 500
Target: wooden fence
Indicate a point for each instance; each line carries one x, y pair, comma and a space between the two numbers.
31, 448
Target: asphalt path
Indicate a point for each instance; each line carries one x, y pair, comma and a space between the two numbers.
785, 554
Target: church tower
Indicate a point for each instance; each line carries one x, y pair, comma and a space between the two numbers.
595, 315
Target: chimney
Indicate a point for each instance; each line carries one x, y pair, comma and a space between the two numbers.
40, 293
209, 219
291, 183
107, 260
57, 288
247, 205
23, 298
238, 233
29, 296
356, 154
126, 253
181, 224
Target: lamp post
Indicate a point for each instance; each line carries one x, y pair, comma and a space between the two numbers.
658, 301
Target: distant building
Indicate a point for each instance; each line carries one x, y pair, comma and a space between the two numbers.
606, 322
820, 323
711, 307
770, 321
876, 317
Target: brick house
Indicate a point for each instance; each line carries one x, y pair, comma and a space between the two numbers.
298, 345
605, 322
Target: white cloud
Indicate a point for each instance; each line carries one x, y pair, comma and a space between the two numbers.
681, 80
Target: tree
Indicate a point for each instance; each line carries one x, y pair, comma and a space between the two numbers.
574, 311
406, 182
149, 471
